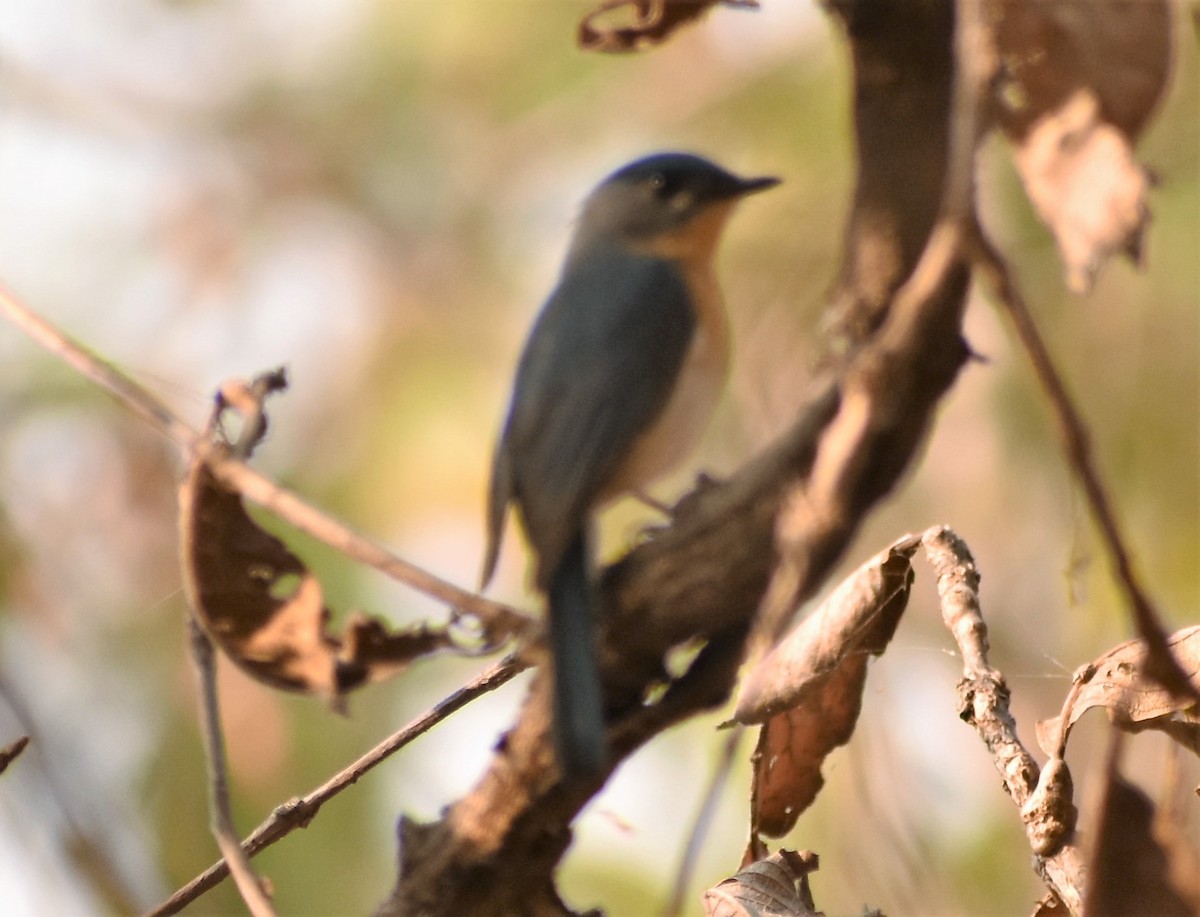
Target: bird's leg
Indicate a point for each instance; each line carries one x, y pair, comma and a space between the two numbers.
672, 511
657, 505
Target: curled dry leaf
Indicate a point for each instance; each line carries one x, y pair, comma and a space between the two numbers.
1080, 81
858, 617
631, 25
793, 745
773, 887
264, 608
808, 690
1117, 681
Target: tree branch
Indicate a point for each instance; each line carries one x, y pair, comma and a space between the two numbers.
1163, 666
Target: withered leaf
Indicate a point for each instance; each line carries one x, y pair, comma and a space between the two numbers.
859, 617
793, 745
1129, 869
1117, 681
1080, 80
631, 25
263, 607
808, 690
773, 887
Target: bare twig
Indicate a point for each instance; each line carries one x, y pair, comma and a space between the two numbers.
501, 620
288, 505
87, 837
983, 703
298, 812
1162, 664
136, 398
221, 814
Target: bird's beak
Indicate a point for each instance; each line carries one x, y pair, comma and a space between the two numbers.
753, 185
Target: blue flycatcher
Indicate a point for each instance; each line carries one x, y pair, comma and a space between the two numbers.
617, 381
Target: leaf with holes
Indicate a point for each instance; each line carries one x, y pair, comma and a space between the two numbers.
265, 609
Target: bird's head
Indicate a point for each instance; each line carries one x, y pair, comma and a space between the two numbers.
668, 204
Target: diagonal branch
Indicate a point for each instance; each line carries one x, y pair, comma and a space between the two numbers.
1077, 445
501, 620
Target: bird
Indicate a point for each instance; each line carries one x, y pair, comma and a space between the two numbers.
615, 385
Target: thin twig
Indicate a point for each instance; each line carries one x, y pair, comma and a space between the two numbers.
1164, 667
221, 810
297, 813
704, 818
74, 354
88, 839
291, 507
502, 620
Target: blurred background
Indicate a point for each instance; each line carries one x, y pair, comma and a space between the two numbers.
377, 195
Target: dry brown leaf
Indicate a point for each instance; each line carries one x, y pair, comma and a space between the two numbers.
859, 617
793, 745
1130, 870
632, 25
774, 887
1117, 682
264, 608
809, 688
1080, 81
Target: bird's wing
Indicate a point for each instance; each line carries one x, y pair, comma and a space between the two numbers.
598, 369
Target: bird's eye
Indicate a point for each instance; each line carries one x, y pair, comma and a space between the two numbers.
670, 190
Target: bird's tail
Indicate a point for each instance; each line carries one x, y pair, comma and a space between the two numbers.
578, 705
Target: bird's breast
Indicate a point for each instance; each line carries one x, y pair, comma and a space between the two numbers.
677, 429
